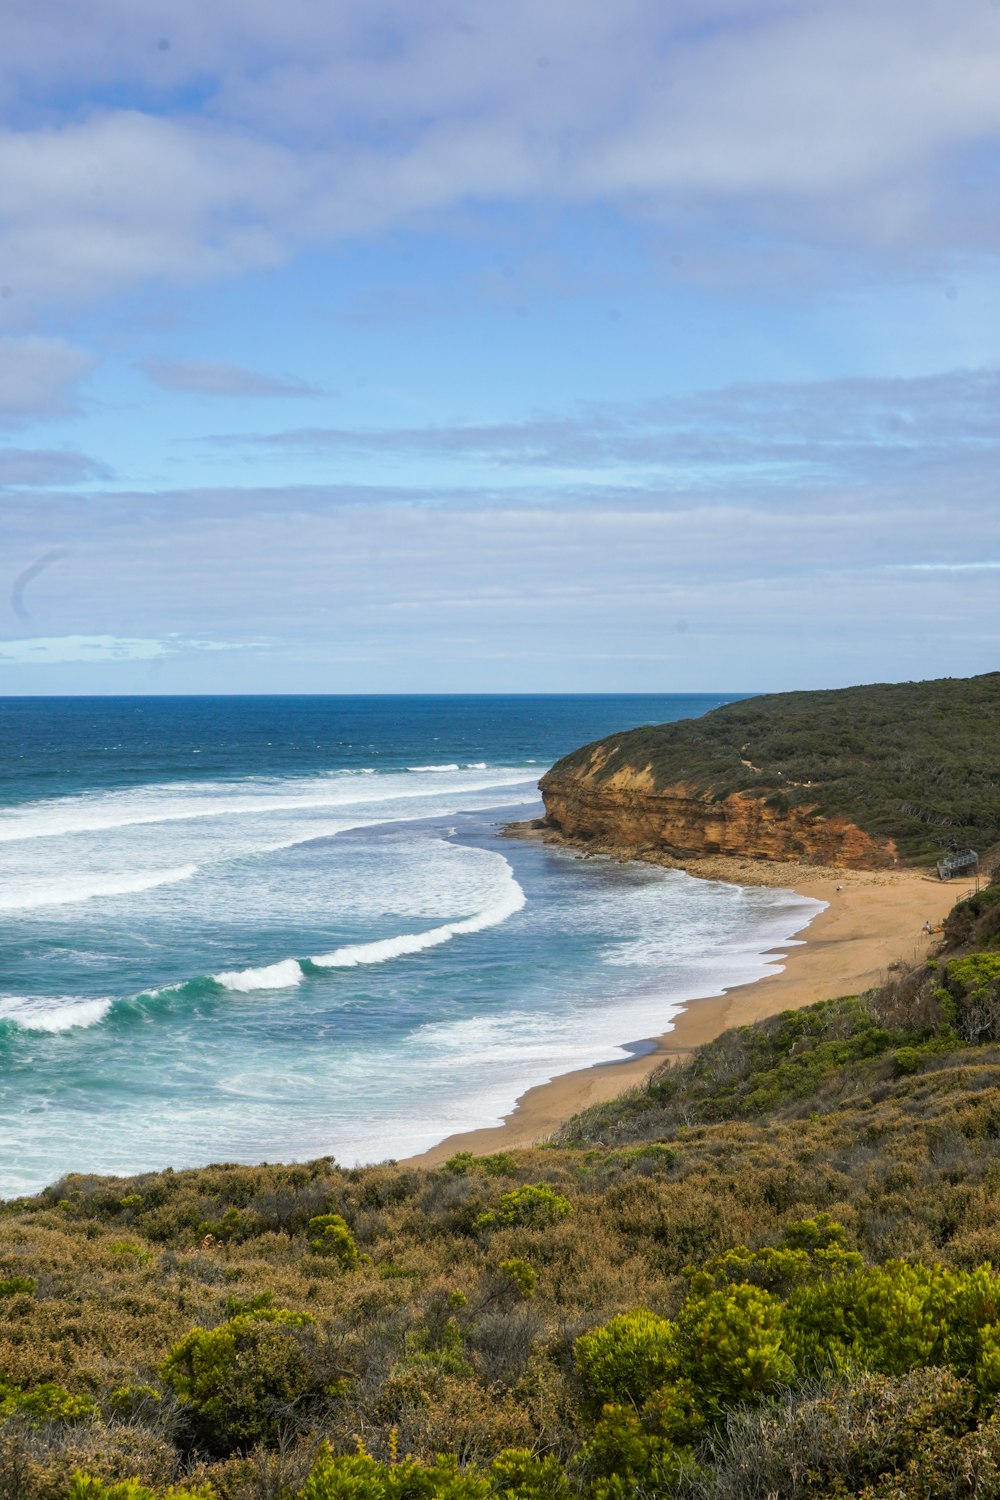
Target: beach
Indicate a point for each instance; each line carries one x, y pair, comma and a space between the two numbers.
871, 921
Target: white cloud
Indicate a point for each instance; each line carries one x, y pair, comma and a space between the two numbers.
39, 378
262, 129
92, 208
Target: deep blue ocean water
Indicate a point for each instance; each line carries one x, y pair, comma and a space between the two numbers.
252, 929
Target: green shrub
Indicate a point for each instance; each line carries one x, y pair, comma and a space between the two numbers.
517, 1474
629, 1358
240, 1383
535, 1207
87, 1487
521, 1275
360, 1477
130, 1251
45, 1403
909, 1060
16, 1286
460, 1164
500, 1164
132, 1401
622, 1459
331, 1236
731, 1345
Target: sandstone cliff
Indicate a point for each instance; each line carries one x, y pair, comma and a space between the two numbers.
626, 812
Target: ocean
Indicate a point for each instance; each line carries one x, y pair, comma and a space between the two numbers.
249, 929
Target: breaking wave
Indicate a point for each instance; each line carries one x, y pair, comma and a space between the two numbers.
279, 976
30, 1014
384, 949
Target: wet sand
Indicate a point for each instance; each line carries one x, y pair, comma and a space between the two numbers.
872, 920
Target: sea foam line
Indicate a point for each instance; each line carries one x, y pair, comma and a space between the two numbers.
381, 951
29, 896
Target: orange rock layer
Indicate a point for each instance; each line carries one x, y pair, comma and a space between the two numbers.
627, 814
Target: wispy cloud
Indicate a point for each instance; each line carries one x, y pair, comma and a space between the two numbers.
56, 650
206, 377
31, 467
981, 566
860, 428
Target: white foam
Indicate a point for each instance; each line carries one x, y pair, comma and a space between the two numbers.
43, 1014
279, 976
382, 951
71, 889
182, 802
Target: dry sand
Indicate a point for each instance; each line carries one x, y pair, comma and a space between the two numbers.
871, 921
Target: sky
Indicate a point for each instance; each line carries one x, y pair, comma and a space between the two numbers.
367, 346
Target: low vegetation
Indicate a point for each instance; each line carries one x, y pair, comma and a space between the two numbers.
768, 1272
912, 761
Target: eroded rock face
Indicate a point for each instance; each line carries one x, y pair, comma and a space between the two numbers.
629, 814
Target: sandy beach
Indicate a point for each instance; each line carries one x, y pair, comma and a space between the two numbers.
871, 921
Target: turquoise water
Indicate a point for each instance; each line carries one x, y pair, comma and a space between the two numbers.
271, 929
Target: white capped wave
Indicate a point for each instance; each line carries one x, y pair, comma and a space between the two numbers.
183, 802
71, 889
43, 1014
279, 976
380, 952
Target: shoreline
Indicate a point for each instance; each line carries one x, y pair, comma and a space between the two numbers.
871, 921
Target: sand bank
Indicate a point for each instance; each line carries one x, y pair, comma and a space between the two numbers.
872, 920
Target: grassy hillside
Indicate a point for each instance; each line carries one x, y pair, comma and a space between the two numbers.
757, 1275
918, 762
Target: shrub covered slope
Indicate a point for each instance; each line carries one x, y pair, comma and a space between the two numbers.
766, 1273
917, 762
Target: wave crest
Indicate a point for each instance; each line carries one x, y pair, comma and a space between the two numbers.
29, 1014
279, 976
381, 951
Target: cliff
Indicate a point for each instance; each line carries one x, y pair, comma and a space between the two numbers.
859, 778
626, 814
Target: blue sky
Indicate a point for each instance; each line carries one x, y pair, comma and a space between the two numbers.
461, 347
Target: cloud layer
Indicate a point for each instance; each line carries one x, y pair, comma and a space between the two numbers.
227, 141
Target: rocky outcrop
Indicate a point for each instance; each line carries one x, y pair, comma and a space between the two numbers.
627, 813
